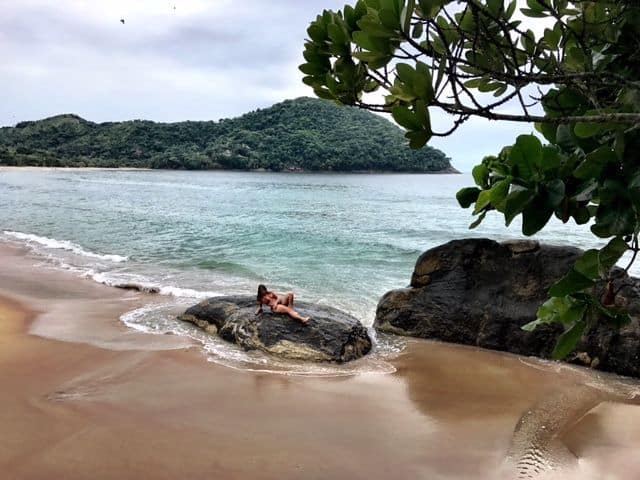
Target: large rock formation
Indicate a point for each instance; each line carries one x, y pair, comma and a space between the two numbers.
480, 292
330, 335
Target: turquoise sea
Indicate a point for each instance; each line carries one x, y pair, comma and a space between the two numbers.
340, 239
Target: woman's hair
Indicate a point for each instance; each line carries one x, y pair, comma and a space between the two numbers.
262, 291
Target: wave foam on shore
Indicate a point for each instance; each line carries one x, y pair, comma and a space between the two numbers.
32, 240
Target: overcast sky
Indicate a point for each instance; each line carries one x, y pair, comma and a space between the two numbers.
171, 61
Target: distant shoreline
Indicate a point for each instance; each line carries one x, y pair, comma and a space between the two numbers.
12, 168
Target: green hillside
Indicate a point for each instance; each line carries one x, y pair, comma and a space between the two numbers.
300, 134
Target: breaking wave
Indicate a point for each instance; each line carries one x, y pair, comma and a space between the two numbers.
31, 240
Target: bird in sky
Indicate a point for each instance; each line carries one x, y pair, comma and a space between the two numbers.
122, 21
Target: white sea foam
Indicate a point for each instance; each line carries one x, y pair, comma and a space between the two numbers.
144, 284
51, 243
186, 292
42, 246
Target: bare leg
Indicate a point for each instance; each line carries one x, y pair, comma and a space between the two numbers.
288, 300
291, 312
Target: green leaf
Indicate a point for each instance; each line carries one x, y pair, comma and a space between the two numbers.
324, 93
389, 19
371, 25
528, 41
548, 131
565, 310
483, 200
610, 254
422, 82
337, 34
500, 91
373, 60
312, 69
494, 6
527, 12
406, 118
535, 216
442, 67
422, 113
551, 158
430, 8
595, 162
478, 221
564, 137
572, 282
467, 23
555, 192
481, 175
406, 13
467, 196
499, 192
418, 139
531, 326
317, 33
371, 43
516, 202
586, 130
531, 149
552, 37
535, 5
587, 264
406, 73
474, 82
418, 30
568, 341
614, 221
518, 160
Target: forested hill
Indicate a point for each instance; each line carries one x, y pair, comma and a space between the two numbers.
301, 134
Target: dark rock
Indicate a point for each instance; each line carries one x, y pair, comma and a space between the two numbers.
138, 287
330, 335
480, 292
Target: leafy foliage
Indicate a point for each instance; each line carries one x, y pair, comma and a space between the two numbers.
305, 133
473, 57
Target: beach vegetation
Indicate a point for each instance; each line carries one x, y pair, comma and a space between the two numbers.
571, 69
302, 134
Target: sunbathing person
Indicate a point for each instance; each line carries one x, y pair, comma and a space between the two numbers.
278, 304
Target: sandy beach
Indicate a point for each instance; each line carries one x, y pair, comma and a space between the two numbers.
111, 403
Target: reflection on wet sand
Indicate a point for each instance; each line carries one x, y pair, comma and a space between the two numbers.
504, 416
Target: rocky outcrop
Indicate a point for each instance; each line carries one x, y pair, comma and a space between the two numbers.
137, 287
330, 334
480, 292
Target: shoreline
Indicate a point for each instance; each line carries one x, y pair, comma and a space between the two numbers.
70, 409
27, 168
32, 168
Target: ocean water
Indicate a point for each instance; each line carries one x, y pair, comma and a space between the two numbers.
339, 239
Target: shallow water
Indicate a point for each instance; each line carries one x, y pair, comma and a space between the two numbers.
333, 239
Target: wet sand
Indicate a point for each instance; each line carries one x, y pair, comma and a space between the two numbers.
111, 403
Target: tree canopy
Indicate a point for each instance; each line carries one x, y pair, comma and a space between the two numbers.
570, 67
301, 134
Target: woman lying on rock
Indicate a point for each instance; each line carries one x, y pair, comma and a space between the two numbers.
277, 304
